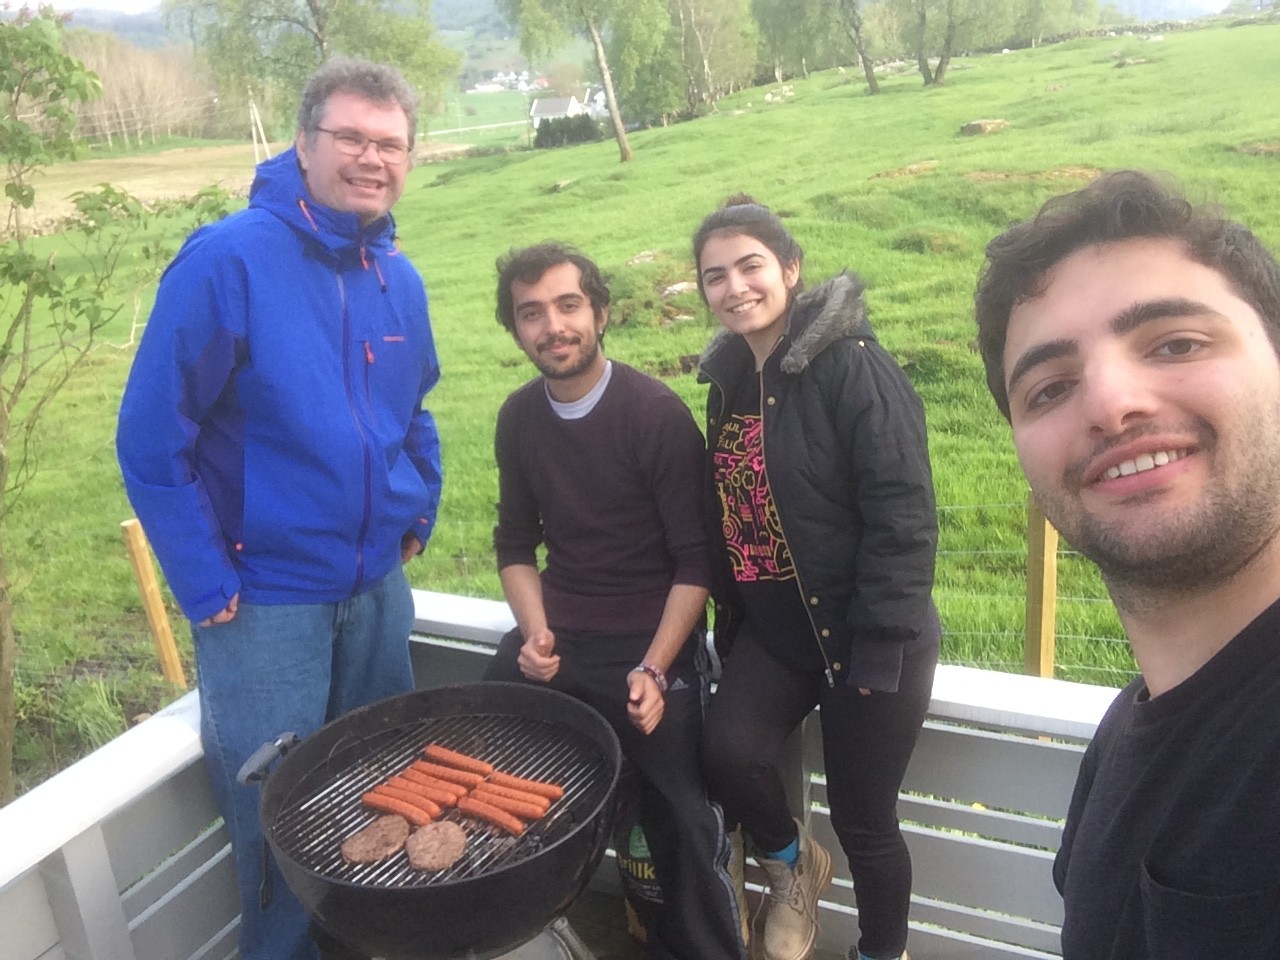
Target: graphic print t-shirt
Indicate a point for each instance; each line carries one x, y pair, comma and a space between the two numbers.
761, 560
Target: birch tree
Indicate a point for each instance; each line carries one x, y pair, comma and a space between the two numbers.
545, 25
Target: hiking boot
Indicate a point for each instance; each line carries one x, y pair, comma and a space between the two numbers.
791, 906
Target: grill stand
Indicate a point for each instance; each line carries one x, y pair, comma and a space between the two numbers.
559, 941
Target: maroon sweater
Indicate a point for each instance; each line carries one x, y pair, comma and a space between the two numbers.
616, 497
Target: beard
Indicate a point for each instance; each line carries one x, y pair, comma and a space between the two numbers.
588, 350
1200, 548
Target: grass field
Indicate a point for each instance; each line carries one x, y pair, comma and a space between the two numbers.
884, 185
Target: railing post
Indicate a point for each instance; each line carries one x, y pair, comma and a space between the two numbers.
152, 602
1042, 591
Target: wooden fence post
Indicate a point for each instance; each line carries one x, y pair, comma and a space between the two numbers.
1042, 591
149, 586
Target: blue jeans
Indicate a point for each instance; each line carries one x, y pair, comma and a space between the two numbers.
289, 668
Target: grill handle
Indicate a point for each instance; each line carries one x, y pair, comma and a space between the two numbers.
254, 770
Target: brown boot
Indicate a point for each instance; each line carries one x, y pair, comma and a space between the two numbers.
791, 921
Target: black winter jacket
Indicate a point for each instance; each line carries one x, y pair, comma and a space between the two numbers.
848, 463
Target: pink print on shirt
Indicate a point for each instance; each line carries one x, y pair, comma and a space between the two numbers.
748, 515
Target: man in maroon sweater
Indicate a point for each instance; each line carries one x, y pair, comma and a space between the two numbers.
603, 465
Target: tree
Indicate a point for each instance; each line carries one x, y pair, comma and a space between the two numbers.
277, 44
51, 320
545, 25
720, 43
943, 28
850, 13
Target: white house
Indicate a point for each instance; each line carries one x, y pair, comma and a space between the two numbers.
552, 108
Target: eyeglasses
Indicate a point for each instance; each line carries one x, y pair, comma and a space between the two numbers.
354, 145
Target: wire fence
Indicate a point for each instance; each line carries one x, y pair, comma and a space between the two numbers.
981, 592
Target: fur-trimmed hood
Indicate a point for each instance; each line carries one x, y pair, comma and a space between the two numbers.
818, 318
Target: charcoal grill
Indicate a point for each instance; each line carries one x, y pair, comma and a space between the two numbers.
504, 890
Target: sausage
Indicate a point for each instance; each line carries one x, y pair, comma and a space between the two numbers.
388, 804
429, 807
445, 798
499, 818
520, 808
452, 758
454, 790
464, 777
493, 789
552, 791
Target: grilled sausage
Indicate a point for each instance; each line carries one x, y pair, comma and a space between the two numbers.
452, 758
445, 798
520, 808
552, 791
429, 807
454, 790
464, 777
485, 811
542, 803
389, 804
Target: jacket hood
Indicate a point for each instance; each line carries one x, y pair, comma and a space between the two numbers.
280, 189
831, 311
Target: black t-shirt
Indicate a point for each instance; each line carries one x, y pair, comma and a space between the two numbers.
758, 551
1172, 843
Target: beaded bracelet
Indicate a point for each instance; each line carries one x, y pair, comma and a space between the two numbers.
654, 673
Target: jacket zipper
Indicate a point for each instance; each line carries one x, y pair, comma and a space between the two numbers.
782, 528
360, 432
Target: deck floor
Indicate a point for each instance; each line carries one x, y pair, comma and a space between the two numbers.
600, 920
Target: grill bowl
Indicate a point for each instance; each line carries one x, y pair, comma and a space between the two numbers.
496, 899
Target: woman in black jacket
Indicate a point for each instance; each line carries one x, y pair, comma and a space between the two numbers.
821, 471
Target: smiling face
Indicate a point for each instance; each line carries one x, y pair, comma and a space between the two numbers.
365, 185
747, 288
556, 328
1145, 404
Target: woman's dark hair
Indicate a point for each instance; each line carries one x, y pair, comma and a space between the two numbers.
1123, 205
742, 215
529, 264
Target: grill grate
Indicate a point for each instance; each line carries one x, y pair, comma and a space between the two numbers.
327, 808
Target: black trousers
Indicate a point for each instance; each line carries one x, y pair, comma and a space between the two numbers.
866, 743
685, 831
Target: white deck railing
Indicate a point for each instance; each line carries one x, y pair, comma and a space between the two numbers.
121, 856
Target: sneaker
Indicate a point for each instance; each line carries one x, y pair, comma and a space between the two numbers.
791, 907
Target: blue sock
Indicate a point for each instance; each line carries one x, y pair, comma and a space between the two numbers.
790, 854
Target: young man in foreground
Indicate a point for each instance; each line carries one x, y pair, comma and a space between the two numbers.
603, 465
1131, 340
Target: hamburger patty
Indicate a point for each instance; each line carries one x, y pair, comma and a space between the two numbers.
436, 846
381, 839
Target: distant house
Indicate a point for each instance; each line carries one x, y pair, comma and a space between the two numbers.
552, 108
596, 103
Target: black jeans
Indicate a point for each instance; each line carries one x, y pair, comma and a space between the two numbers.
866, 743
684, 829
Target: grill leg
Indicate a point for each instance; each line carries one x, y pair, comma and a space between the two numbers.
569, 939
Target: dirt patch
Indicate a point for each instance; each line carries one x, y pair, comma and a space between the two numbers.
1260, 149
1056, 173
910, 170
168, 175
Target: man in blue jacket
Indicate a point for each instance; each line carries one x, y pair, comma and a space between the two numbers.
275, 447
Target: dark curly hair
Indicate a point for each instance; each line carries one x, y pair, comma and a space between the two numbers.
529, 264
1123, 205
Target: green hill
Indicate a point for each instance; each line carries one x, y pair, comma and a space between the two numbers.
883, 185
